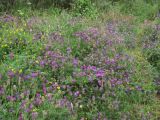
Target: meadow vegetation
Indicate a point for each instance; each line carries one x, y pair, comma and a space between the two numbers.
80, 60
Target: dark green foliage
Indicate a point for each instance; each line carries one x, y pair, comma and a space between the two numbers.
6, 4
47, 3
154, 58
151, 44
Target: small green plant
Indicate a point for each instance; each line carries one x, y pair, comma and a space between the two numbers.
84, 7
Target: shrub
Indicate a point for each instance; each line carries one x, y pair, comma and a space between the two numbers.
151, 46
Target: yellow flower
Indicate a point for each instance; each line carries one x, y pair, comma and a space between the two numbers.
37, 61
35, 109
50, 82
58, 88
81, 106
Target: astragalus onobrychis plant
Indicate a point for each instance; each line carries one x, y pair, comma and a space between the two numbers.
71, 71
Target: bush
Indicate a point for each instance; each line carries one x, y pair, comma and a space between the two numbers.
151, 46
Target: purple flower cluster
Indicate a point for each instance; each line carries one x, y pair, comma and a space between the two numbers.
88, 35
7, 18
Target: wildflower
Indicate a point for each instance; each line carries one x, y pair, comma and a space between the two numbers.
58, 87
26, 92
90, 79
29, 108
84, 67
119, 82
49, 96
100, 73
100, 83
20, 117
11, 73
75, 62
93, 68
54, 64
1, 90
44, 89
81, 106
42, 63
77, 93
23, 104
81, 74
37, 101
37, 61
139, 88
34, 115
11, 98
113, 82
69, 50
0, 76
34, 74
27, 77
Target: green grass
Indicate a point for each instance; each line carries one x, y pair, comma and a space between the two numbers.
63, 82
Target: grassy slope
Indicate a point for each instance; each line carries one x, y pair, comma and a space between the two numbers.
135, 106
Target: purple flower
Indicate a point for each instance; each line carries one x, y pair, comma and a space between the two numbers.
100, 83
69, 50
90, 79
126, 75
119, 82
100, 73
1, 90
29, 108
113, 82
11, 98
56, 37
49, 53
26, 77
34, 115
34, 74
26, 92
37, 101
139, 88
44, 89
93, 68
73, 81
11, 74
77, 93
84, 67
75, 62
42, 63
54, 64
23, 104
82, 35
49, 96
0, 76
7, 18
20, 117
93, 32
81, 74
